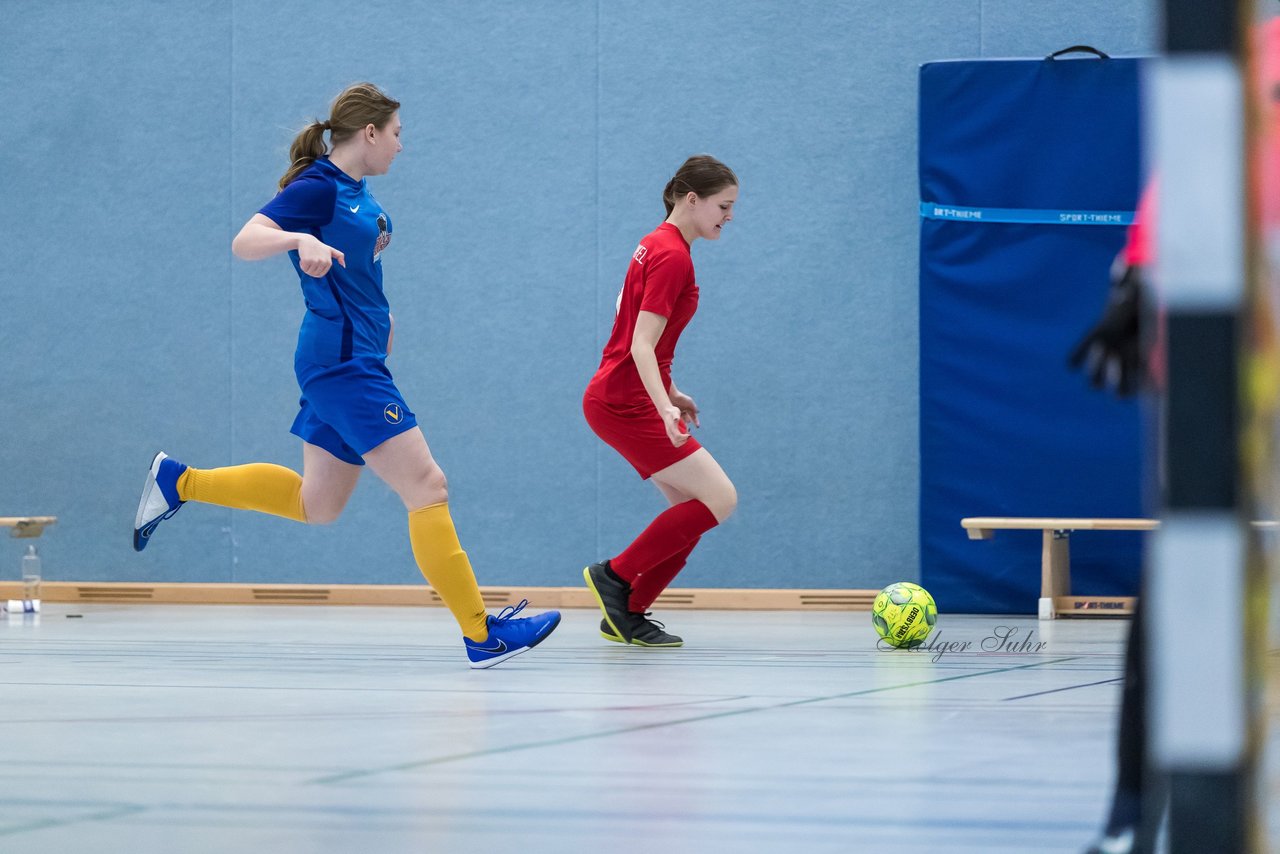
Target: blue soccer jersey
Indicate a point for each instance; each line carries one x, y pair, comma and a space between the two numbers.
347, 315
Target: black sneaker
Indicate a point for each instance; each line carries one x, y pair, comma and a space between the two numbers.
644, 632
613, 595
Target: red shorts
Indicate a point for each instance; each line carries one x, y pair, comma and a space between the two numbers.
636, 431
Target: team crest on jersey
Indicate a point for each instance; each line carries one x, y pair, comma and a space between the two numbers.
384, 237
393, 413
641, 251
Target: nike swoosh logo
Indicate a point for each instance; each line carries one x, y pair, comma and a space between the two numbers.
356, 208
501, 647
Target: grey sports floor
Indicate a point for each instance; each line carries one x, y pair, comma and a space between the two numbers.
156, 728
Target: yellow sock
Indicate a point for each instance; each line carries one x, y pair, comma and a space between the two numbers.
445, 566
264, 487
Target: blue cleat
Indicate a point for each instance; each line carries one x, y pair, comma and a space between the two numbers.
159, 498
509, 636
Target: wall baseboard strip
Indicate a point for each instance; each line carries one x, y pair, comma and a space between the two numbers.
416, 594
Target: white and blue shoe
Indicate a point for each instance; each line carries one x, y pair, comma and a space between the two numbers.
509, 636
159, 498
1115, 841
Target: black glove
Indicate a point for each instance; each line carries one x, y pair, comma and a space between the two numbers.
1112, 350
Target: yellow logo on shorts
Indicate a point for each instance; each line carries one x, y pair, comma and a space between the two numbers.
392, 413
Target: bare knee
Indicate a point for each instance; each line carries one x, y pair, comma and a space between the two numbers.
723, 502
437, 486
322, 510
326, 517
429, 487
324, 499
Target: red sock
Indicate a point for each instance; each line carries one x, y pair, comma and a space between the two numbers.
649, 585
673, 530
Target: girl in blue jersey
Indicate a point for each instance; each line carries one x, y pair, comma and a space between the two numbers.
351, 413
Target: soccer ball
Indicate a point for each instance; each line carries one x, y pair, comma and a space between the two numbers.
904, 614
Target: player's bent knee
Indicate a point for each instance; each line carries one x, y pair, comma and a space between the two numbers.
321, 514
724, 502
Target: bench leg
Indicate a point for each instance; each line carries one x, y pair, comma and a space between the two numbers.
1055, 570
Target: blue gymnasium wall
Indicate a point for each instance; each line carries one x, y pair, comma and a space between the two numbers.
138, 136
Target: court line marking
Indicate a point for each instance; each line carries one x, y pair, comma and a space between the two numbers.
277, 817
358, 716
553, 742
1068, 688
106, 814
362, 689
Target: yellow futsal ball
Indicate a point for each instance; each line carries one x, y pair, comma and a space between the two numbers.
904, 614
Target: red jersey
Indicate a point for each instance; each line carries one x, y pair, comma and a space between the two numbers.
659, 280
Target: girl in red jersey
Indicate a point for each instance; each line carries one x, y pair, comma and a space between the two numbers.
634, 406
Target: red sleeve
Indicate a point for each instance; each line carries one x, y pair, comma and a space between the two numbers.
1140, 249
665, 276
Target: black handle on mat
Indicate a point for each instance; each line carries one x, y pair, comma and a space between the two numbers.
1078, 48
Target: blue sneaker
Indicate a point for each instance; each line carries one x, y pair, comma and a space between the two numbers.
509, 636
159, 498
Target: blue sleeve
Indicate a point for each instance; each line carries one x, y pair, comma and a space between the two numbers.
307, 203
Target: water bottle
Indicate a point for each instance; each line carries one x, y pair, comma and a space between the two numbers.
31, 575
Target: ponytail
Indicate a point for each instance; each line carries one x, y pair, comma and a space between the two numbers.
308, 147
669, 196
355, 108
701, 175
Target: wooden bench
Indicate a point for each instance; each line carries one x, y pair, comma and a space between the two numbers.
26, 526
1056, 599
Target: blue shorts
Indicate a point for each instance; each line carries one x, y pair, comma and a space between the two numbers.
349, 408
